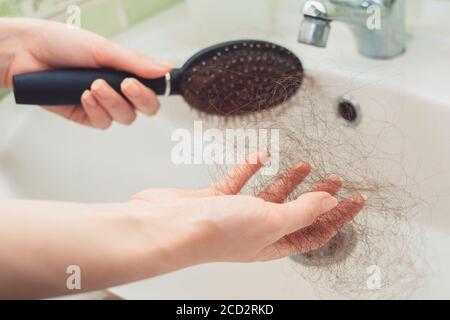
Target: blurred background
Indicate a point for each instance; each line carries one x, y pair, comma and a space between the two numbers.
210, 17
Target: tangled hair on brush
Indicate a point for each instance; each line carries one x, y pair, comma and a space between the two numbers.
381, 239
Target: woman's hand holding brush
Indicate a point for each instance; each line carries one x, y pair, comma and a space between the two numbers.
28, 45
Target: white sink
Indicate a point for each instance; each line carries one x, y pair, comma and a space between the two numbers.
44, 157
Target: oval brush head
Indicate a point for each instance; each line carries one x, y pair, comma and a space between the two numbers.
230, 78
240, 77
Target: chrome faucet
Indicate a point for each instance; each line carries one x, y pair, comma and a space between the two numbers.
381, 39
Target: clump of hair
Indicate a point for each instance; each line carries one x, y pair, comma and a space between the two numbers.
381, 241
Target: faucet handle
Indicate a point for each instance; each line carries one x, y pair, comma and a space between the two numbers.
383, 42
315, 9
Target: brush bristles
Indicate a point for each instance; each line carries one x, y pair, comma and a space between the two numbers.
242, 78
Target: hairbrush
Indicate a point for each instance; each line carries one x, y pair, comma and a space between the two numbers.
230, 78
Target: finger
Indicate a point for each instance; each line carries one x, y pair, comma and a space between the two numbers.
322, 230
300, 213
98, 117
116, 106
332, 185
117, 57
63, 111
282, 187
142, 98
71, 112
235, 180
231, 183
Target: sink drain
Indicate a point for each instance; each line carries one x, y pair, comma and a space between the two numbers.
349, 111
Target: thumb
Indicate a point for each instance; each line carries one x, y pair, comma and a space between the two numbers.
303, 211
117, 57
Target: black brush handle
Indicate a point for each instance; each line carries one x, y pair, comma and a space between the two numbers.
65, 86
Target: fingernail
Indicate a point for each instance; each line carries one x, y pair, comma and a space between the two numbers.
335, 178
164, 63
152, 108
365, 197
259, 157
99, 88
264, 157
328, 203
131, 88
89, 100
301, 165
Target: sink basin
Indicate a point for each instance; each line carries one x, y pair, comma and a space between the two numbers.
44, 157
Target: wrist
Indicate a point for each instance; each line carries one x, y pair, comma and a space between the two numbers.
150, 238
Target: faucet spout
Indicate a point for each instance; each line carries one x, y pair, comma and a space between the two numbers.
378, 25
